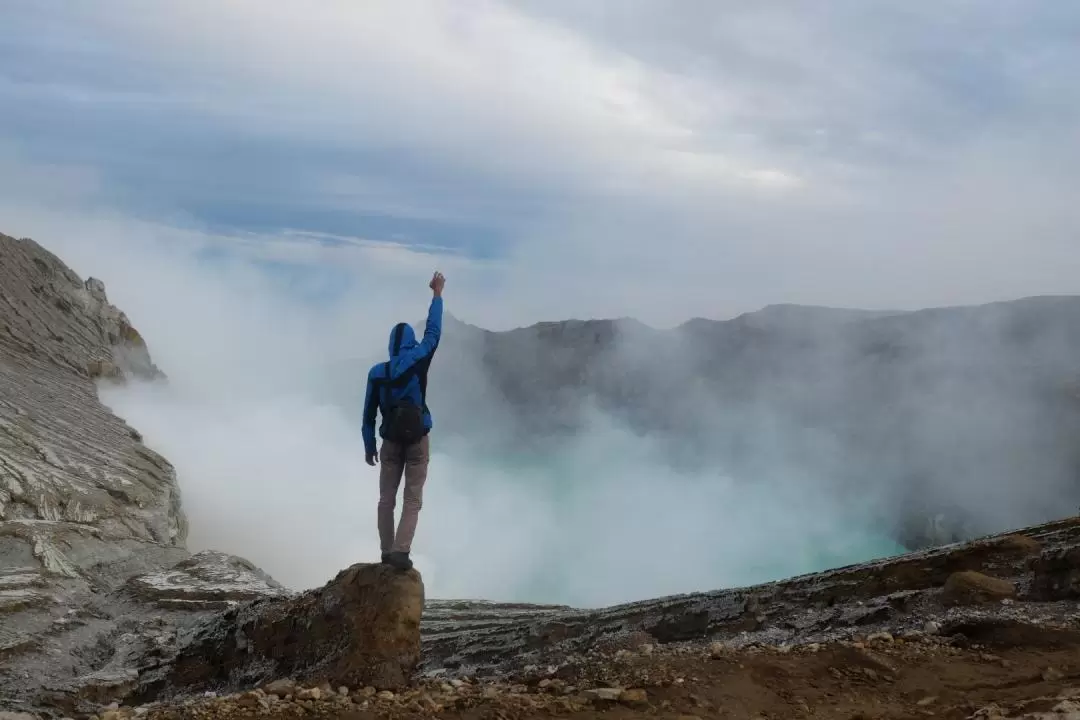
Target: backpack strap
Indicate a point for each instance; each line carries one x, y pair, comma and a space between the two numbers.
389, 384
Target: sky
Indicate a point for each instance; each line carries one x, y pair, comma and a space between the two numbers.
562, 159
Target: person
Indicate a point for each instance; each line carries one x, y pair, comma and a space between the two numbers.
398, 389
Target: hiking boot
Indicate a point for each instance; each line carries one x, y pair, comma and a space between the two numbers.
386, 558
400, 561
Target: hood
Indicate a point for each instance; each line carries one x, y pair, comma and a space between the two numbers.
402, 338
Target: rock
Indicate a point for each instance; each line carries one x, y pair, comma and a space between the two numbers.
1056, 575
280, 687
309, 694
362, 628
634, 698
970, 588
85, 506
603, 695
932, 627
385, 695
254, 699
1052, 675
207, 580
7, 715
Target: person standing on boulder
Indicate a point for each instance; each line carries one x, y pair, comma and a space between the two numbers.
398, 389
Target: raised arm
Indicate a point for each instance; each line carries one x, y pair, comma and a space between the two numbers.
432, 329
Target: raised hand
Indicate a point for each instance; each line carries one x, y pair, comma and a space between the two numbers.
437, 283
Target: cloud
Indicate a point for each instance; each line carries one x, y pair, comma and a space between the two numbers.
854, 155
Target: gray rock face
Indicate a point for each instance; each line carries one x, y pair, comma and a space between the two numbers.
94, 575
206, 581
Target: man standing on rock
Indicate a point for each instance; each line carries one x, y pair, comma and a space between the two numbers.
398, 388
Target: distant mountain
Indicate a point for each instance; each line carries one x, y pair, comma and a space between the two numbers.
965, 419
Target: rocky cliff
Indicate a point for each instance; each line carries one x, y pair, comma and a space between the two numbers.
99, 598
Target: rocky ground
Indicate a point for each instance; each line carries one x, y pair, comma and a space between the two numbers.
980, 670
982, 630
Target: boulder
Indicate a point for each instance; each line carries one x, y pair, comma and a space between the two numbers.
360, 629
971, 588
1056, 575
207, 580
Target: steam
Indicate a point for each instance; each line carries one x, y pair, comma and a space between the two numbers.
263, 426
261, 417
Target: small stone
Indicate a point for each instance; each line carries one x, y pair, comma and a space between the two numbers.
309, 694
932, 627
634, 697
927, 701
385, 695
457, 683
545, 683
1052, 675
603, 695
647, 649
884, 637
343, 690
717, 650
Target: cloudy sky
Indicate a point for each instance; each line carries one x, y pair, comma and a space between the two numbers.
561, 158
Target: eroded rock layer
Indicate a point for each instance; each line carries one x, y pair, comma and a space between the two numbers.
1018, 575
94, 575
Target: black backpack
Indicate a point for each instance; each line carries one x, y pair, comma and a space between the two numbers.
403, 420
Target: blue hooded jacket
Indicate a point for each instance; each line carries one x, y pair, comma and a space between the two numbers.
406, 356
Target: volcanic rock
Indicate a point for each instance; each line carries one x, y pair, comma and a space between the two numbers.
94, 575
360, 629
1057, 575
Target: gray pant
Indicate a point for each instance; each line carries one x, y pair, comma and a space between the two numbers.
412, 460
